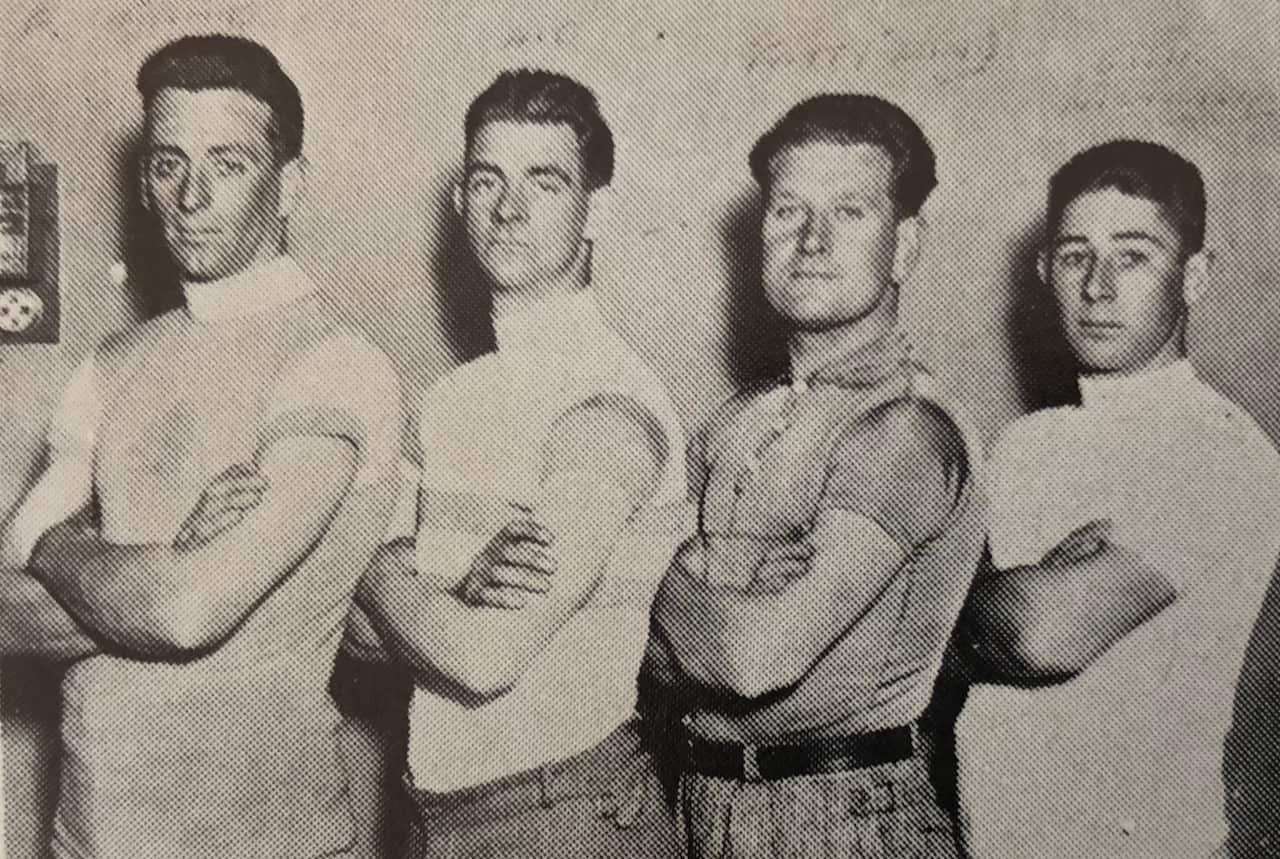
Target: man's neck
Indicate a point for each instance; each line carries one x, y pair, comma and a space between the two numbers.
267, 253
509, 302
1173, 351
811, 350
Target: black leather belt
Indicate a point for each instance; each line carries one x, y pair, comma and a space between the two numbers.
815, 757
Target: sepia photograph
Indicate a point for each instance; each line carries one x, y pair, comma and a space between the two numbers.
727, 430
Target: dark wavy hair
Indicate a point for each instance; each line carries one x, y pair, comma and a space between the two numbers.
219, 61
1140, 169
850, 118
534, 95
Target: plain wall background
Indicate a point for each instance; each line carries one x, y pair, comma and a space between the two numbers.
1005, 90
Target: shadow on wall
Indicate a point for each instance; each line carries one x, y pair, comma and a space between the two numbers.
463, 293
152, 276
1045, 370
754, 342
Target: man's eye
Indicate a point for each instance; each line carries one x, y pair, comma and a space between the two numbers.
849, 212
481, 182
785, 211
1131, 259
164, 166
1072, 259
229, 167
553, 186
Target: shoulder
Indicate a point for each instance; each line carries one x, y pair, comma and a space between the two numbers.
1026, 436
907, 426
122, 344
1238, 436
339, 352
731, 409
465, 381
340, 368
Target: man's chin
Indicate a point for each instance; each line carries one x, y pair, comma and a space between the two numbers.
205, 271
1096, 359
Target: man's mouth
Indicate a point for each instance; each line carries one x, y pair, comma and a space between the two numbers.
814, 274
195, 236
1100, 328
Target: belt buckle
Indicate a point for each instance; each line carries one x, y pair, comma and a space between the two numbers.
751, 763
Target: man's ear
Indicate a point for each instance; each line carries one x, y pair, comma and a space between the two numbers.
458, 203
144, 184
599, 209
293, 186
906, 251
1195, 275
1042, 265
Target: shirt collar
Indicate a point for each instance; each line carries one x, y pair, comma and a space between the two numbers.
866, 365
1172, 382
257, 289
547, 323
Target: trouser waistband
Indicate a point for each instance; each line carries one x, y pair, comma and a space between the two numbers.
771, 762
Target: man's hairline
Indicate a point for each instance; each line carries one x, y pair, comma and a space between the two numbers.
588, 181
274, 131
1162, 208
896, 170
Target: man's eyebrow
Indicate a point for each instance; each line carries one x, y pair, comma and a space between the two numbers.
235, 149
1137, 235
1069, 240
550, 170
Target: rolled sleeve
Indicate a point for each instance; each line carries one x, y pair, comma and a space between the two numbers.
902, 466
342, 387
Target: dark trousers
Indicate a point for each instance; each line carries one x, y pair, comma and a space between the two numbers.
890, 811
604, 803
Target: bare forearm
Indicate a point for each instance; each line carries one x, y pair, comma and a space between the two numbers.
732, 640
35, 623
474, 652
122, 593
1050, 622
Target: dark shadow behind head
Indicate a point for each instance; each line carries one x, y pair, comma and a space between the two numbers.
153, 277
466, 300
755, 336
1045, 369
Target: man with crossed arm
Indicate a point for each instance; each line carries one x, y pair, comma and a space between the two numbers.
523, 741
797, 636
218, 477
1132, 541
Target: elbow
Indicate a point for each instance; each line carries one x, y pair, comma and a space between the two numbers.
472, 680
754, 672
1041, 653
746, 668
480, 686
186, 626
182, 636
1027, 645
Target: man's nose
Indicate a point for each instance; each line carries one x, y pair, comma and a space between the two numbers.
815, 234
1099, 282
511, 206
194, 193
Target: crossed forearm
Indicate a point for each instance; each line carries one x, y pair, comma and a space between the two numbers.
469, 652
128, 595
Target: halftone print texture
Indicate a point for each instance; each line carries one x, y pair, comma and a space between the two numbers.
1006, 91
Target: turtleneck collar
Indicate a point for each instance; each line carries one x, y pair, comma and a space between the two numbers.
545, 322
257, 289
1171, 381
